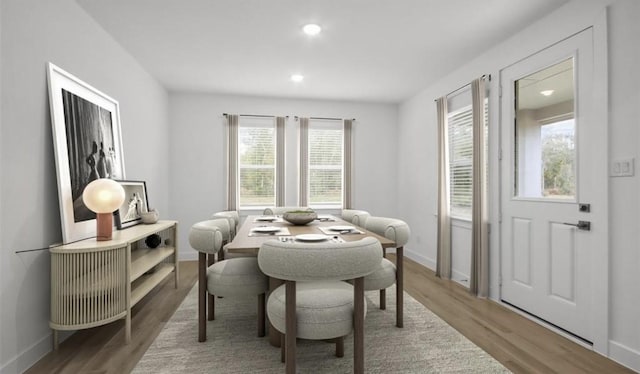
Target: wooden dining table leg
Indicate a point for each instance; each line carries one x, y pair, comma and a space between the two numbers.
211, 298
202, 296
261, 315
383, 292
399, 286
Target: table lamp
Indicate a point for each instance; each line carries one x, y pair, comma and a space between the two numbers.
103, 196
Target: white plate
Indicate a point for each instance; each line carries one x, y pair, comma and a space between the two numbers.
341, 228
311, 237
266, 218
266, 229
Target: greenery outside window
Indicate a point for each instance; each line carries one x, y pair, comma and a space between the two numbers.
256, 162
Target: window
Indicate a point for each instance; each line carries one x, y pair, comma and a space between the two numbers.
545, 134
256, 162
325, 147
460, 131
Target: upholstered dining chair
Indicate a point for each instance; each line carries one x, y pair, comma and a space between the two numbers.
387, 272
314, 303
231, 277
234, 221
282, 209
357, 217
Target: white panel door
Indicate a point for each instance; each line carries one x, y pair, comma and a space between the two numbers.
551, 166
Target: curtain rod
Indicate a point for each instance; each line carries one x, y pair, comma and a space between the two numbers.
326, 118
254, 115
484, 76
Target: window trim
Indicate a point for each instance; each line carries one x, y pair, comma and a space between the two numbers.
278, 126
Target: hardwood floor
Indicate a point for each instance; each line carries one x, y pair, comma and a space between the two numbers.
102, 349
518, 343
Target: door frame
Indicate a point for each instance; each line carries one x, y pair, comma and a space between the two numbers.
600, 259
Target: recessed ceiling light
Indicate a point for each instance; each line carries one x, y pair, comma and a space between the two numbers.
311, 29
546, 92
297, 77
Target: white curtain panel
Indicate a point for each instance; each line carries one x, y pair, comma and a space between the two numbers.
479, 282
280, 163
443, 261
346, 188
232, 161
304, 162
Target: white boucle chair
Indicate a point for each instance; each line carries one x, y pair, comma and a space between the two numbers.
234, 221
232, 277
314, 303
279, 210
387, 273
357, 217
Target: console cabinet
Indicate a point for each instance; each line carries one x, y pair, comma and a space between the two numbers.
97, 282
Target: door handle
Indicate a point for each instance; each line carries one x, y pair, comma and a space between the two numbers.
581, 225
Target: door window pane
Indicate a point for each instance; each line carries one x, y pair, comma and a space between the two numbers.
558, 159
545, 134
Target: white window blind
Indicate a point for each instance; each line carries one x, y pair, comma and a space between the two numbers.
257, 162
326, 139
461, 159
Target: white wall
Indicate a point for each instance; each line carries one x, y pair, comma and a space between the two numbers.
34, 32
418, 151
624, 201
198, 152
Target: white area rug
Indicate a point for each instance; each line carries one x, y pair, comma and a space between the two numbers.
426, 344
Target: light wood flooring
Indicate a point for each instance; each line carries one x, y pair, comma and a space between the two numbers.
518, 343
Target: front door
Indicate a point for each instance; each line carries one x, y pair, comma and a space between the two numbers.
552, 188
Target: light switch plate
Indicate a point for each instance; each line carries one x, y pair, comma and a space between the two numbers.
623, 168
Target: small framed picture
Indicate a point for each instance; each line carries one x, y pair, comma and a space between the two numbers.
135, 203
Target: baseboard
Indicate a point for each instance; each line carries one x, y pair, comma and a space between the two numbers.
624, 355
422, 260
28, 357
460, 277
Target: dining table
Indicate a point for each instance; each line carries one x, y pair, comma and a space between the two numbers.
257, 229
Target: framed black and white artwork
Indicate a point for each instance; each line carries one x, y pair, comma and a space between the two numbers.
87, 143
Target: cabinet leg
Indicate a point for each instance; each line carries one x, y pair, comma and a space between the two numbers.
127, 327
55, 339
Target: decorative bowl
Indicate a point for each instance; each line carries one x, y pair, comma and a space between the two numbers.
150, 216
300, 217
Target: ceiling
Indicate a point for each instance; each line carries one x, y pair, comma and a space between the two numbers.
368, 50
